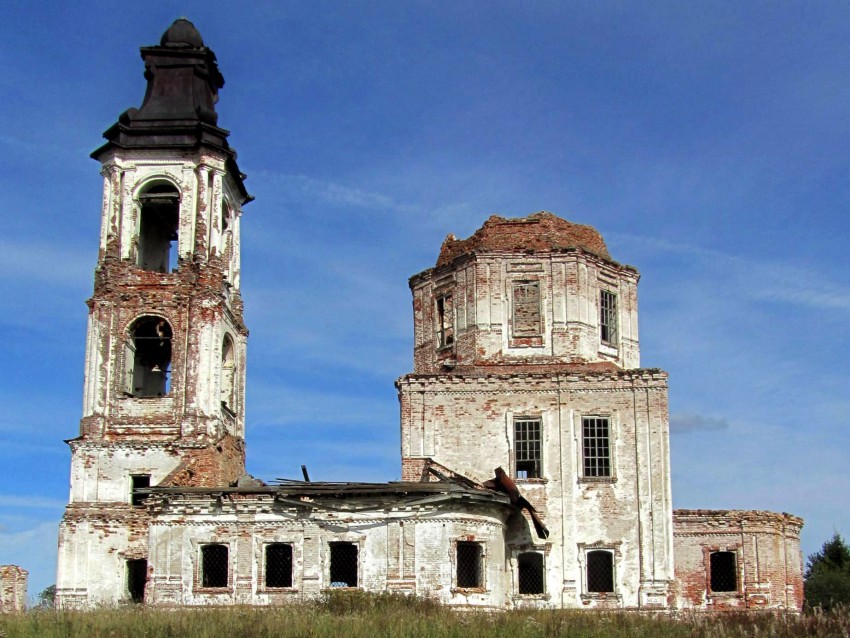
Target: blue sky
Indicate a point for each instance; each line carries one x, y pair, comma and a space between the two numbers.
707, 141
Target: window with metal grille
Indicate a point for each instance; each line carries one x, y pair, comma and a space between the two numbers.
526, 309
596, 446
608, 317
343, 565
137, 576
724, 572
137, 482
445, 321
527, 448
530, 573
214, 566
279, 565
468, 564
600, 571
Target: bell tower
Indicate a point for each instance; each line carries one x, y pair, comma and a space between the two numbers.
163, 400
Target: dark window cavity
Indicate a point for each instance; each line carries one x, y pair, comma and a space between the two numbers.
228, 374
147, 358
137, 576
214, 566
596, 445
526, 320
530, 573
468, 565
600, 571
445, 321
608, 317
160, 216
724, 572
139, 481
279, 565
343, 565
527, 448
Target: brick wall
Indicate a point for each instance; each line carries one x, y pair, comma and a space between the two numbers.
764, 548
13, 589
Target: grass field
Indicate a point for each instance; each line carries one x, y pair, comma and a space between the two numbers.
373, 616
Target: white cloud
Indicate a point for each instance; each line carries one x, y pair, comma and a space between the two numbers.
322, 191
30, 502
28, 260
759, 280
689, 422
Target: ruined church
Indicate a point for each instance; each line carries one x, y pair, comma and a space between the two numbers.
526, 358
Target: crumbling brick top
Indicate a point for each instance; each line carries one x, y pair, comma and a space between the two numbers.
540, 232
684, 519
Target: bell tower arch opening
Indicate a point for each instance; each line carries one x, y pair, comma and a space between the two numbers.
147, 358
159, 218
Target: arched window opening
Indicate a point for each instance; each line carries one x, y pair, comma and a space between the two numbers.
227, 240
724, 572
530, 573
600, 571
147, 358
160, 217
228, 374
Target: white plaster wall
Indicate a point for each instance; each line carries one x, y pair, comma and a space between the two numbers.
101, 472
406, 550
92, 559
466, 425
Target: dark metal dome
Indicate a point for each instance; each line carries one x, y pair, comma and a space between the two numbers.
182, 34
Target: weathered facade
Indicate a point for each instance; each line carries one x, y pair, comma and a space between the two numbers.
526, 358
735, 560
13, 589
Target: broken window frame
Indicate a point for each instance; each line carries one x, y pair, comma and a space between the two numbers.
597, 448
145, 372
521, 288
157, 230
469, 565
212, 558
528, 447
138, 481
271, 571
340, 565
445, 319
608, 316
719, 574
600, 572
531, 573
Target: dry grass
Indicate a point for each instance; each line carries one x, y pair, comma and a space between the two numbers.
357, 615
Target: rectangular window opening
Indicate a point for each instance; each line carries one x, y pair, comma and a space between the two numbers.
445, 321
344, 561
137, 482
596, 446
608, 317
279, 565
530, 573
468, 565
600, 572
724, 572
214, 566
527, 448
